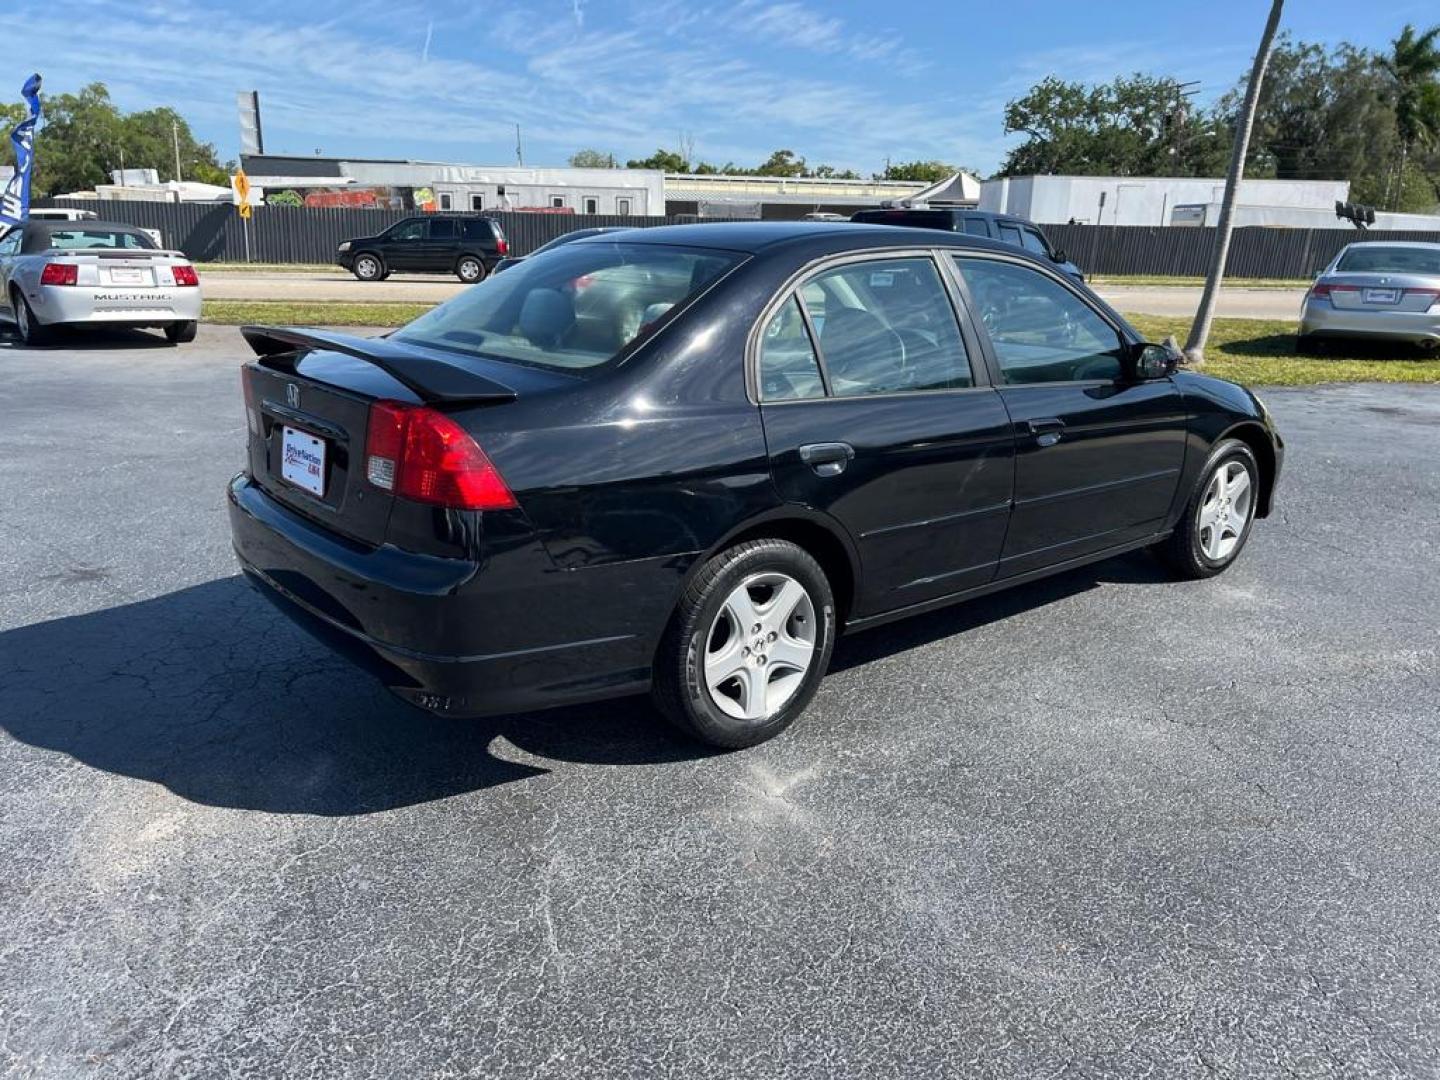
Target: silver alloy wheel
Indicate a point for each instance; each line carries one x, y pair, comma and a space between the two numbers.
367, 267
470, 269
22, 318
760, 646
1225, 511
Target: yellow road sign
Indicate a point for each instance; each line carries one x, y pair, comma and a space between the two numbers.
240, 183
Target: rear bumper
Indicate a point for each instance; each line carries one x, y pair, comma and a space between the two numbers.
55, 304
428, 627
1320, 319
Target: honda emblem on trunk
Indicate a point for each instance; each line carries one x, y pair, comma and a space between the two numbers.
292, 395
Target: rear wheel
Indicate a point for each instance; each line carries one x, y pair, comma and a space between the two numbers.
367, 267
748, 644
470, 270
178, 333
1211, 533
31, 330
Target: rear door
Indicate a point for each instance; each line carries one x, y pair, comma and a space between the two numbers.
877, 415
440, 246
1098, 456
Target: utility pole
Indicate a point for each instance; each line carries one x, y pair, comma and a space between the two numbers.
175, 135
519, 149
1200, 331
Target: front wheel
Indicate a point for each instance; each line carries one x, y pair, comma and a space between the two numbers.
470, 270
367, 268
1211, 533
748, 644
177, 333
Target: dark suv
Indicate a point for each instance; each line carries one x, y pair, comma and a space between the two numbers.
1003, 227
466, 246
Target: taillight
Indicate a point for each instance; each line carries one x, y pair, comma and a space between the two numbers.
423, 455
59, 274
1321, 290
185, 275
502, 246
252, 415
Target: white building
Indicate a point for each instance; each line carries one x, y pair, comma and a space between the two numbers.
1145, 200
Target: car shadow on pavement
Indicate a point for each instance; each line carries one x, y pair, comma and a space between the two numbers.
87, 337
214, 694
1136, 568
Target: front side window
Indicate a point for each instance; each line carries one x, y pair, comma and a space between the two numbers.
407, 231
575, 307
1041, 331
789, 369
886, 326
1033, 241
10, 242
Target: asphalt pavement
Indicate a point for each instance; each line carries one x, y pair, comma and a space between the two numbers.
336, 284
1104, 825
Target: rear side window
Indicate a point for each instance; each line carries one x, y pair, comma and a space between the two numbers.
885, 326
444, 229
1010, 234
479, 229
578, 306
788, 367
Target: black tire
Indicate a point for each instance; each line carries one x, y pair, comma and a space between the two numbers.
28, 328
680, 689
470, 270
177, 333
368, 267
1183, 549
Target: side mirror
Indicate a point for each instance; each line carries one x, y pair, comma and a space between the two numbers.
1150, 361
1059, 256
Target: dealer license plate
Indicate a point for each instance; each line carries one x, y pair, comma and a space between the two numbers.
1381, 296
302, 461
121, 275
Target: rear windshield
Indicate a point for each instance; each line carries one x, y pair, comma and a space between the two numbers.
82, 239
1376, 258
575, 307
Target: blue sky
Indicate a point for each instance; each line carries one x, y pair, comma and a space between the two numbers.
845, 83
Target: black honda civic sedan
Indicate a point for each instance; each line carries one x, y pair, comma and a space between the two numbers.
684, 459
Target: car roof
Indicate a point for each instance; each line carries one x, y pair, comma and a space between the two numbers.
1426, 245
48, 225
757, 237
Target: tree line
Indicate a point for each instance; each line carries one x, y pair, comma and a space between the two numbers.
780, 163
1342, 113
85, 136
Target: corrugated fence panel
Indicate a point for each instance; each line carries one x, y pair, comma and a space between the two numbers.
209, 232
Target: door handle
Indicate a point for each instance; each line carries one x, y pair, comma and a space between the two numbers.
1047, 431
827, 458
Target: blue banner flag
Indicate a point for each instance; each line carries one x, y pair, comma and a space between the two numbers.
15, 199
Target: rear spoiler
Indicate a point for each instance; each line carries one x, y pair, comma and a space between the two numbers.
433, 380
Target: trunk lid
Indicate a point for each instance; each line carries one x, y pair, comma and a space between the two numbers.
133, 268
311, 393
1412, 293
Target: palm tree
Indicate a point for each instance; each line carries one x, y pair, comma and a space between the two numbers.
1414, 63
1244, 123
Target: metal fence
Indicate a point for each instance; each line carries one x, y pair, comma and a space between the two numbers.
209, 232
1254, 251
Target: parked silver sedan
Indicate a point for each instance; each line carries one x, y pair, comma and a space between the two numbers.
1378, 290
55, 273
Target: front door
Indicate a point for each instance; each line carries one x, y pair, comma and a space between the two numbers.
874, 416
9, 251
1098, 455
405, 244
